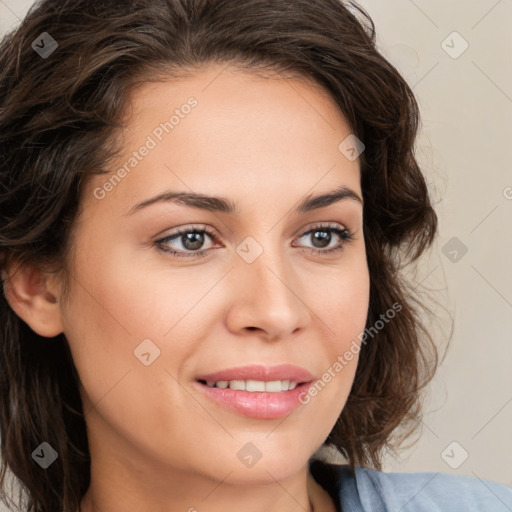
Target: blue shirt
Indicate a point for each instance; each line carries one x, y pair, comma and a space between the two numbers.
375, 491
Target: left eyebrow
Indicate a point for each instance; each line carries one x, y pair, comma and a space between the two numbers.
323, 200
224, 205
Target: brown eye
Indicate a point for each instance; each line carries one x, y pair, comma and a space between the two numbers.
186, 241
322, 236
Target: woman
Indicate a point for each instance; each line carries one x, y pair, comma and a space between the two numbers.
205, 209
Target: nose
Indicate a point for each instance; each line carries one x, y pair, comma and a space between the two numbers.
268, 296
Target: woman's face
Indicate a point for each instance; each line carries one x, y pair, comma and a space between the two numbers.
248, 287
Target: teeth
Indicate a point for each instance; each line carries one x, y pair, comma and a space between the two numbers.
274, 386
237, 385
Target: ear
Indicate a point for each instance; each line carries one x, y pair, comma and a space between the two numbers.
34, 296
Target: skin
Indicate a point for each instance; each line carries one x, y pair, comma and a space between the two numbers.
156, 442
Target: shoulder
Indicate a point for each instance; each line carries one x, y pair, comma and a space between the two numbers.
375, 491
432, 492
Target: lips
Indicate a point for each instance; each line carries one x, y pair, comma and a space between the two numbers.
260, 373
258, 405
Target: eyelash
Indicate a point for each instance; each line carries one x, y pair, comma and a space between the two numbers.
346, 236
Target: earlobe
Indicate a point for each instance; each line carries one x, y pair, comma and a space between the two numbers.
33, 296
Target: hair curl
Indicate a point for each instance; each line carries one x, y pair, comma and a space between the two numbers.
58, 120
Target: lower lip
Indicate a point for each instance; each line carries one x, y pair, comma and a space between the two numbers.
257, 404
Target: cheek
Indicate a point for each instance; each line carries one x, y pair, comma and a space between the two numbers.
342, 300
345, 311
109, 315
116, 303
104, 321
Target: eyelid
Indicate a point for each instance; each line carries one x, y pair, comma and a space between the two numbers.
214, 234
339, 229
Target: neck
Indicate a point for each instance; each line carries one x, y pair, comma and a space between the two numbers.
118, 486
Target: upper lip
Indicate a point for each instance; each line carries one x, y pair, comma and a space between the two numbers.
261, 372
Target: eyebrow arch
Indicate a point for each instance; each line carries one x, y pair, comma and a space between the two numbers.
223, 205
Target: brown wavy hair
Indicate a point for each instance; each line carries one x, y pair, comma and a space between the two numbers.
58, 120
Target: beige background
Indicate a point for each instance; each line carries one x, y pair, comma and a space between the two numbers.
464, 148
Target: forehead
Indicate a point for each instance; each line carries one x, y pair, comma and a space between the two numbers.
221, 127
230, 103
